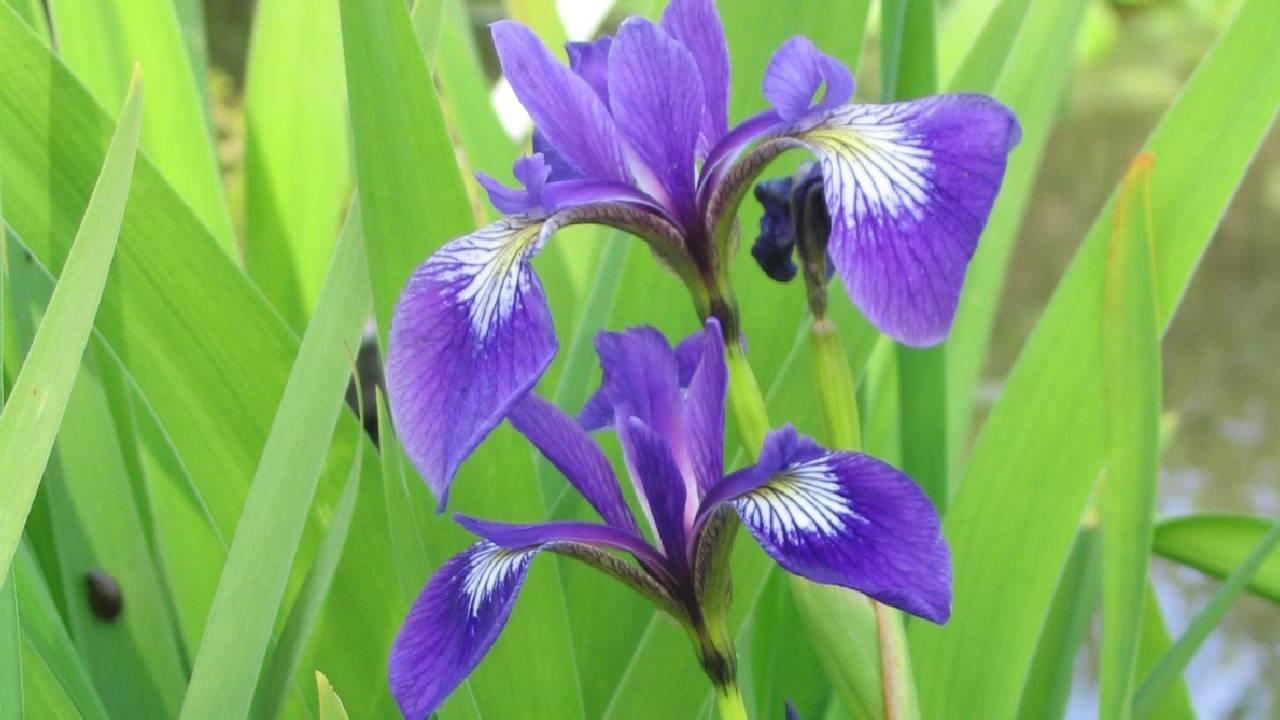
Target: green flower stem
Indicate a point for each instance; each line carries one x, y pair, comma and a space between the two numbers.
713, 642
746, 402
838, 407
729, 703
833, 382
834, 387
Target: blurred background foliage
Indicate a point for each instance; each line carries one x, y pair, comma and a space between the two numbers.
1220, 356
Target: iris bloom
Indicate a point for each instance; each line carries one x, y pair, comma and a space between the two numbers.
634, 134
834, 517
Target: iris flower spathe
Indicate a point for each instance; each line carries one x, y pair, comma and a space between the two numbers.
834, 517
634, 134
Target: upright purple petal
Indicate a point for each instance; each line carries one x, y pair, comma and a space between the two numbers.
575, 455
909, 187
591, 61
452, 624
704, 410
844, 518
597, 411
561, 168
689, 353
563, 106
795, 73
656, 97
650, 460
696, 25
470, 334
641, 378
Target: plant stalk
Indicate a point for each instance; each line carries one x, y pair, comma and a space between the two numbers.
833, 382
729, 704
746, 402
838, 408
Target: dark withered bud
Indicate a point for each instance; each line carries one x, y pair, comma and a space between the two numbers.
795, 219
772, 248
811, 225
105, 598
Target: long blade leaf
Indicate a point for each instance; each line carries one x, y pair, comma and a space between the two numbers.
306, 608
1131, 402
330, 704
30, 420
1040, 452
54, 681
10, 650
1033, 83
1169, 668
208, 356
1216, 544
405, 161
267, 536
100, 41
1176, 702
1048, 684
296, 174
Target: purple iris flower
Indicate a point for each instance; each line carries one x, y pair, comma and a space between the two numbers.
834, 517
634, 134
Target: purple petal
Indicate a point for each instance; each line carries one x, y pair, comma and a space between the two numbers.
561, 168
563, 106
704, 410
909, 187
597, 411
696, 25
568, 193
517, 536
532, 171
653, 465
470, 334
719, 162
641, 381
656, 97
844, 518
641, 378
796, 71
575, 455
591, 61
452, 624
508, 200
689, 353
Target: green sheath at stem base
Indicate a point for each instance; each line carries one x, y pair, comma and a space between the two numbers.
729, 703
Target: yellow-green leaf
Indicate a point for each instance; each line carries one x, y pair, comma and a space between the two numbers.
1216, 544
330, 704
1131, 420
296, 168
267, 537
100, 40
